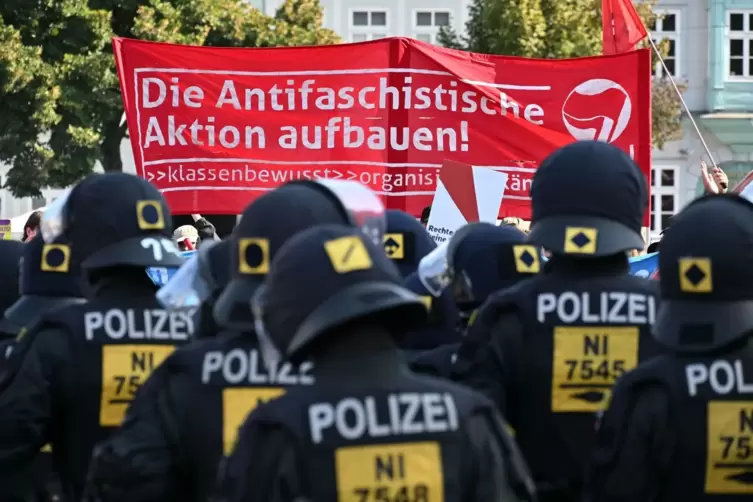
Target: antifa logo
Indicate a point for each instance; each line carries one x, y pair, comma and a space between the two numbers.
597, 109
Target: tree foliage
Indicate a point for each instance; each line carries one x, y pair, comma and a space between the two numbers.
559, 29
60, 103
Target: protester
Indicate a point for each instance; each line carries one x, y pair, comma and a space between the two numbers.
425, 215
715, 181
31, 226
189, 237
186, 238
205, 229
519, 223
681, 425
334, 297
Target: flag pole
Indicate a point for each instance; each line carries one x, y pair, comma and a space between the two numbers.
682, 100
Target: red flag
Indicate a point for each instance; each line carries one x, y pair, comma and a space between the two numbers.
622, 27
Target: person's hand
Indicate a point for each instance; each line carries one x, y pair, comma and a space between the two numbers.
709, 181
196, 217
721, 180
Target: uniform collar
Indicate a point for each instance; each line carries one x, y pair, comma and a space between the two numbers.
608, 266
357, 356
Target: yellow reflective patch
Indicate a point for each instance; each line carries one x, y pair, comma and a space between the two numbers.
729, 461
149, 215
404, 471
427, 300
587, 361
46, 448
472, 319
348, 254
394, 246
580, 240
125, 368
526, 259
695, 275
253, 256
56, 258
237, 403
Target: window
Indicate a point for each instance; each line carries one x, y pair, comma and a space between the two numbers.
664, 195
740, 44
667, 27
38, 202
368, 25
426, 24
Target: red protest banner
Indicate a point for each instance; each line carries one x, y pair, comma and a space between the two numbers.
214, 127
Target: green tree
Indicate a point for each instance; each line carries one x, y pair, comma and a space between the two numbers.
60, 103
558, 29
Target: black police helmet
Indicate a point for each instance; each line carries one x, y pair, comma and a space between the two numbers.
329, 276
406, 241
117, 219
49, 277
588, 200
217, 264
488, 258
265, 225
705, 275
219, 274
10, 255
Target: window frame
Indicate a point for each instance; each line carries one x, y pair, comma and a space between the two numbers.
368, 31
657, 191
746, 36
432, 30
676, 36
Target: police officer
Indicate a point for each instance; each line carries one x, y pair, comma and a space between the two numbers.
406, 243
480, 259
680, 427
548, 350
43, 287
367, 429
81, 365
178, 429
212, 265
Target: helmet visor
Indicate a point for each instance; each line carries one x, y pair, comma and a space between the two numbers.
269, 351
434, 271
52, 223
364, 207
190, 285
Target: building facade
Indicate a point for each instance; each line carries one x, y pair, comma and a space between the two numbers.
710, 55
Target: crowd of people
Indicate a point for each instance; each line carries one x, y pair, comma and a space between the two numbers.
333, 352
